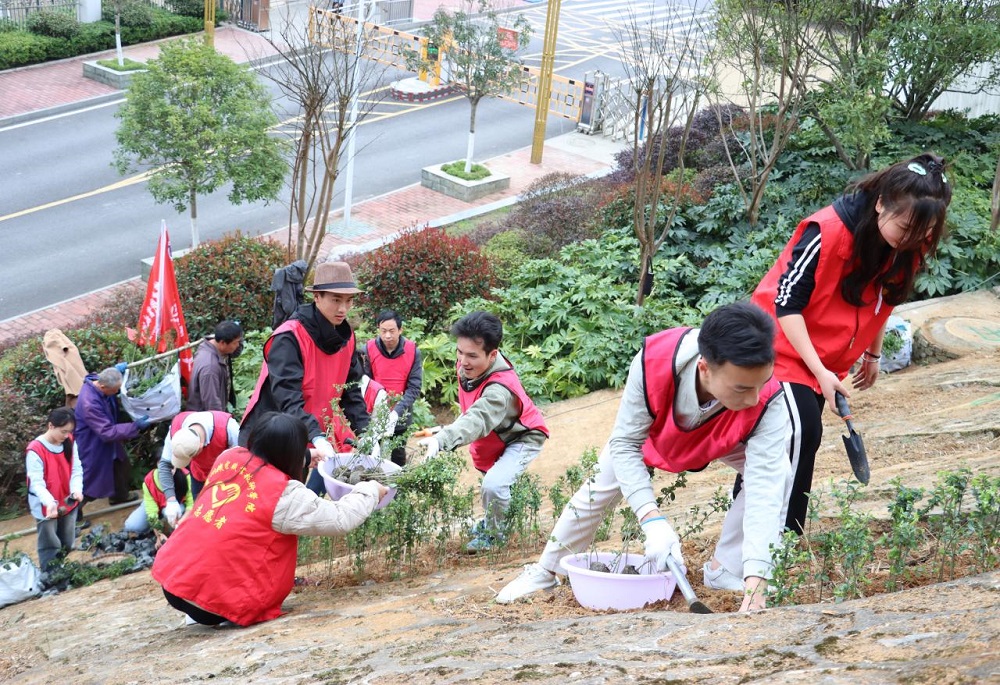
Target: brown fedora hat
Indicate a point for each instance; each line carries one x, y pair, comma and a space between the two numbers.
334, 277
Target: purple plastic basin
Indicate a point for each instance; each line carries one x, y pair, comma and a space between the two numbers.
597, 590
338, 488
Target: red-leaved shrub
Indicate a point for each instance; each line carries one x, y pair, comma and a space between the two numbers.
423, 273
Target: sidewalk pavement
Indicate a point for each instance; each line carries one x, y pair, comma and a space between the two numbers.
44, 90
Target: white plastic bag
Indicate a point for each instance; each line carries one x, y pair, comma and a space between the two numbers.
162, 402
901, 359
20, 579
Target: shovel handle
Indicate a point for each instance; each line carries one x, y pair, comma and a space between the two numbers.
842, 408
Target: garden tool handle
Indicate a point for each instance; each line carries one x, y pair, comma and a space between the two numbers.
842, 407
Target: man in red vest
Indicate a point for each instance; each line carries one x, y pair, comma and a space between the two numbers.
195, 439
395, 362
502, 426
692, 397
309, 364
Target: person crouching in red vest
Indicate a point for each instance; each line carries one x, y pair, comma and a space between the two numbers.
233, 558
504, 429
692, 397
55, 485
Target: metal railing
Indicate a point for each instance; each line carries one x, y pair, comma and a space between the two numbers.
18, 11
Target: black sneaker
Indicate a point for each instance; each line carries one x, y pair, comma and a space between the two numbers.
82, 523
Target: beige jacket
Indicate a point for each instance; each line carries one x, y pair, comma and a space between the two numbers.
301, 512
65, 360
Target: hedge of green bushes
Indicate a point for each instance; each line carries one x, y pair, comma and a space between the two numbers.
53, 35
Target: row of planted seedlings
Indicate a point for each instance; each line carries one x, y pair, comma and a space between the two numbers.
929, 535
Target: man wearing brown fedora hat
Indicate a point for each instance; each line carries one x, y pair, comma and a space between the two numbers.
309, 363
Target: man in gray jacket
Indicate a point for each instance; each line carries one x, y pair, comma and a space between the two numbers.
692, 397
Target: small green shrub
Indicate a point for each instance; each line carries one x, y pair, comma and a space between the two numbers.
8, 26
457, 169
130, 12
19, 425
506, 254
53, 24
228, 278
127, 64
18, 48
422, 274
187, 8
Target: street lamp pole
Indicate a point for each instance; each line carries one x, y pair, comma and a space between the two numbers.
353, 117
545, 79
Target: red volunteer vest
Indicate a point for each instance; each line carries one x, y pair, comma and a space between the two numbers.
156, 491
392, 373
371, 394
225, 557
487, 450
671, 448
202, 462
839, 331
58, 468
324, 375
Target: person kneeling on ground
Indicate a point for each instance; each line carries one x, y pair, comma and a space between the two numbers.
505, 429
233, 559
154, 502
692, 397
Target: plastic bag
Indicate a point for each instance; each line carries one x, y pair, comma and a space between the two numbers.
161, 402
20, 579
901, 359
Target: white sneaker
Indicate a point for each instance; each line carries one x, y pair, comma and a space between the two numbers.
188, 621
720, 578
532, 579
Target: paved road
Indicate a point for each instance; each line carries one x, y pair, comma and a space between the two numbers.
65, 213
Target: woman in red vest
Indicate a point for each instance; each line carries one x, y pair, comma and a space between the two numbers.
233, 558
835, 284
55, 485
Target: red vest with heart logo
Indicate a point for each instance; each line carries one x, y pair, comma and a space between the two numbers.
226, 558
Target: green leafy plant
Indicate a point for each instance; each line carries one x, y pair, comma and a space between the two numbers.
422, 274
53, 23
905, 536
228, 278
477, 173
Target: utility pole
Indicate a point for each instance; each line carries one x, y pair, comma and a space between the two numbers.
545, 80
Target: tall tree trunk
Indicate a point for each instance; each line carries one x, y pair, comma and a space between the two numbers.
194, 219
995, 199
472, 135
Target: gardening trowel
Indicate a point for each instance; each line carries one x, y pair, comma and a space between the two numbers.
855, 447
694, 604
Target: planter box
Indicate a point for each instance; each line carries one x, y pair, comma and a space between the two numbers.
115, 79
468, 191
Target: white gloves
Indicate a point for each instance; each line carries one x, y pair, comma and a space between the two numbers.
390, 424
172, 512
324, 447
376, 451
661, 541
432, 445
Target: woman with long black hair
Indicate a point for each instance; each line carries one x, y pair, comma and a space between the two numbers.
834, 286
233, 559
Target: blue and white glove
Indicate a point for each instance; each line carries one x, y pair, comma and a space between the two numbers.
121, 366
142, 422
324, 447
661, 541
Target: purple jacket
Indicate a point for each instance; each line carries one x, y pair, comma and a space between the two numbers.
99, 436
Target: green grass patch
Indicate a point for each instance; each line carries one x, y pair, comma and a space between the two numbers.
468, 225
457, 169
129, 64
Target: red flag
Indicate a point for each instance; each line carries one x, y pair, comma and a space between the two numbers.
161, 309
